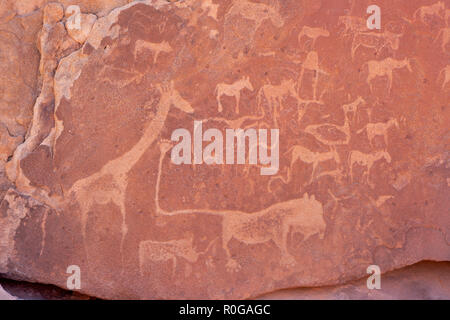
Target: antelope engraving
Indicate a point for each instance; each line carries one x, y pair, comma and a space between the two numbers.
376, 41
155, 48
305, 155
379, 129
385, 68
352, 108
232, 90
257, 12
313, 34
274, 94
446, 73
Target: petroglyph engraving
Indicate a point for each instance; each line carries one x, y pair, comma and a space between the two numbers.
151, 252
385, 68
377, 41
312, 63
445, 74
232, 90
110, 183
257, 12
317, 129
274, 94
352, 108
155, 48
379, 129
353, 25
313, 34
304, 215
444, 34
366, 160
305, 155
436, 9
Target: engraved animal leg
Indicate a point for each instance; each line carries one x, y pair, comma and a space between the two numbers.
282, 242
232, 265
218, 93
313, 173
351, 170
370, 77
369, 167
385, 134
124, 228
238, 97
219, 103
316, 82
354, 48
389, 74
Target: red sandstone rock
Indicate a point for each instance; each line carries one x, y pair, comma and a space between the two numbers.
364, 164
423, 281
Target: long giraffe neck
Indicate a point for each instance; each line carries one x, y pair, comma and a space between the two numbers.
131, 157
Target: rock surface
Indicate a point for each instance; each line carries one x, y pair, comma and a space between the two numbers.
363, 122
422, 281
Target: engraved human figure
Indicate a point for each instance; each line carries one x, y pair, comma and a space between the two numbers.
109, 184
385, 68
127, 76
381, 200
312, 63
232, 90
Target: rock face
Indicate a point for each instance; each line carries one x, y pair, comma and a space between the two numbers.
363, 172
422, 281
